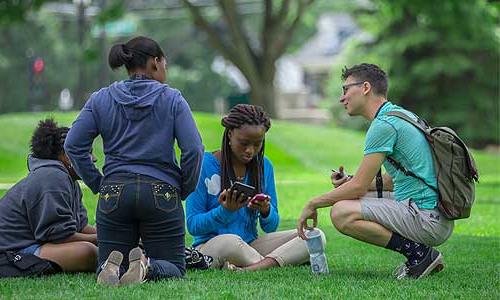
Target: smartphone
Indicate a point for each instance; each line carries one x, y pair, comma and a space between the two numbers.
247, 190
259, 197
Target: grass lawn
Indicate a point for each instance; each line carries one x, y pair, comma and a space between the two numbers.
303, 156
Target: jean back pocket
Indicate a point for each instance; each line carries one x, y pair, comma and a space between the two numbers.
109, 196
166, 196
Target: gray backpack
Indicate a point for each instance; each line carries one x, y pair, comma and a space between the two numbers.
456, 170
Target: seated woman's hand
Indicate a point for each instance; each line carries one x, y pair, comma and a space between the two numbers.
232, 200
260, 204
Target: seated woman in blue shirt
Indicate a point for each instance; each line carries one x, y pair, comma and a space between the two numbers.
224, 225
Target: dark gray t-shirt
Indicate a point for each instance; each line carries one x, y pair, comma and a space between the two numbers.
46, 206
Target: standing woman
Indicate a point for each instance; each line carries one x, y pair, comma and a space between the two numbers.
224, 225
139, 120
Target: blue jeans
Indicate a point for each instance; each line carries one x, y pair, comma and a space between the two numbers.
133, 206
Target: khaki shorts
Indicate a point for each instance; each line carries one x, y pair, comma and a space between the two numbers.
427, 226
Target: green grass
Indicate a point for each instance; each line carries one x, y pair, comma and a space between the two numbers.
303, 156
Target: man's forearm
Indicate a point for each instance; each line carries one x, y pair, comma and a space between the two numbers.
350, 190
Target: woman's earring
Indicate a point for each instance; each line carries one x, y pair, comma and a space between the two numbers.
229, 143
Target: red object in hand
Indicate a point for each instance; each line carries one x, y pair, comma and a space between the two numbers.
260, 197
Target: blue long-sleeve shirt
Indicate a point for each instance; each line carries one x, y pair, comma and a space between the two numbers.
139, 121
206, 218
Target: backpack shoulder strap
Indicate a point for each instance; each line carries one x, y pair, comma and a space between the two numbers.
424, 127
407, 172
420, 124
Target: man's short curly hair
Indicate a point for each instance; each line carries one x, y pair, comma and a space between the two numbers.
47, 141
371, 73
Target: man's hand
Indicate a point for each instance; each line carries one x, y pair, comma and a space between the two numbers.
232, 200
309, 212
339, 177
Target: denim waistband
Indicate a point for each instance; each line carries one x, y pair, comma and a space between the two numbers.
131, 178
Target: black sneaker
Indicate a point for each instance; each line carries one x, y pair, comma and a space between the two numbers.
401, 272
197, 260
432, 262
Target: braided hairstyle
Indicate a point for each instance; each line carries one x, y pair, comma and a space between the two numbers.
47, 141
240, 115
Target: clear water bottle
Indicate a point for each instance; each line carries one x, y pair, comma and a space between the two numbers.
316, 250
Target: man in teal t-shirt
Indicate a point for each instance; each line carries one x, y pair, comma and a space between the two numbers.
405, 217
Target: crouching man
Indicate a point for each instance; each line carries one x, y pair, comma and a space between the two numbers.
406, 221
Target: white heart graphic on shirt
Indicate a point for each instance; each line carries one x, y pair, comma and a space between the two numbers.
213, 184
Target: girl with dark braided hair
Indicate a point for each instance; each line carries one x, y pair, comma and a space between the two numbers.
222, 221
43, 214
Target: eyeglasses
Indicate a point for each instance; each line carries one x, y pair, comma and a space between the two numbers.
346, 87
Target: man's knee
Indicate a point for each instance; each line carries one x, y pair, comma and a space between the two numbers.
343, 213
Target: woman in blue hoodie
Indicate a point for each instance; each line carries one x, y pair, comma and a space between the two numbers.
140, 193
222, 221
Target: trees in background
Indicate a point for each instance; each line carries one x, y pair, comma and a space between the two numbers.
12, 11
55, 38
253, 53
442, 60
252, 42
442, 57
189, 61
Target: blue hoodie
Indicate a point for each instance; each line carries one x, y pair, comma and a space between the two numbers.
139, 121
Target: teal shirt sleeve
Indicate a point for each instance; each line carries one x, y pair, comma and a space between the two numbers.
201, 220
271, 222
380, 138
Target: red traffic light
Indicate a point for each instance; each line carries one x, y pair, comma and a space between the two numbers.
38, 65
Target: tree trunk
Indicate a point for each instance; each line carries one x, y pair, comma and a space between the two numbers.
262, 94
262, 87
257, 65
